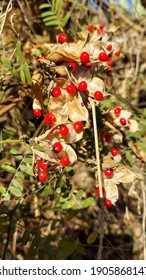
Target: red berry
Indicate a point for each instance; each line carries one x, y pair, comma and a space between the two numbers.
71, 89
117, 110
63, 130
109, 72
76, 188
77, 126
98, 95
43, 175
90, 27
49, 118
52, 125
109, 47
103, 134
122, 121
108, 139
117, 53
65, 161
98, 190
72, 65
82, 86
43, 165
103, 56
88, 64
108, 172
56, 92
101, 25
62, 38
109, 63
37, 113
57, 147
84, 57
43, 57
114, 151
100, 30
108, 203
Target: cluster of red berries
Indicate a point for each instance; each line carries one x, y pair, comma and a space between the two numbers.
99, 30
49, 117
43, 165
108, 173
57, 148
107, 202
117, 112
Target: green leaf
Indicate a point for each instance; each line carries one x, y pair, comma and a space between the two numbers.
26, 169
47, 14
68, 204
20, 175
27, 73
44, 6
2, 190
22, 74
5, 61
6, 197
58, 190
65, 19
28, 160
17, 184
13, 151
47, 19
8, 168
58, 6
15, 73
79, 194
87, 202
16, 153
47, 190
129, 154
15, 191
69, 170
19, 52
92, 237
39, 148
52, 22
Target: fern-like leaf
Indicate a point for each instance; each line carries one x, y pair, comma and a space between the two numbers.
52, 17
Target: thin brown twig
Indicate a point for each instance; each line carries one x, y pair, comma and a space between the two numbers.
9, 7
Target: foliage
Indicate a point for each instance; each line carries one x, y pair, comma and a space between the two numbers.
52, 14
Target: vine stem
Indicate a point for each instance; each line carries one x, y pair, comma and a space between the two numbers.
96, 138
10, 141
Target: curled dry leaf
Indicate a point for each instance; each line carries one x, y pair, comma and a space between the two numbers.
36, 104
112, 193
121, 175
77, 109
109, 162
133, 126
94, 85
37, 87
